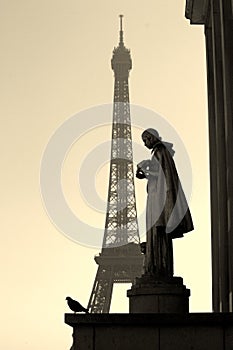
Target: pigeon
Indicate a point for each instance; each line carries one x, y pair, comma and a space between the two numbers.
75, 305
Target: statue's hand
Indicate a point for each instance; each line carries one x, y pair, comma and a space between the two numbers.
140, 174
142, 169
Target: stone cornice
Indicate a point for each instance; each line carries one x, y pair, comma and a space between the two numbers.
196, 11
190, 319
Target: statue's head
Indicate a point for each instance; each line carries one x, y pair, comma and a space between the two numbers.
150, 137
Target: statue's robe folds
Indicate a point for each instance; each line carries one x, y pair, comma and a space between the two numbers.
167, 214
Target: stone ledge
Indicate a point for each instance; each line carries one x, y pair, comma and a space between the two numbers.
191, 319
151, 331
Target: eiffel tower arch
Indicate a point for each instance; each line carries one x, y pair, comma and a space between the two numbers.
120, 260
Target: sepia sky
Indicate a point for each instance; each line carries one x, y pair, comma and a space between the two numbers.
55, 63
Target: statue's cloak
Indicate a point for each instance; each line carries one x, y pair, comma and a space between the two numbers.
166, 202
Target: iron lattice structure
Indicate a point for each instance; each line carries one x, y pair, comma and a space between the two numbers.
120, 260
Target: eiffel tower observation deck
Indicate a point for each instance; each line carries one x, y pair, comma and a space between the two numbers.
120, 260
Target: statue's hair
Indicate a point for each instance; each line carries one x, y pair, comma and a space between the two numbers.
152, 132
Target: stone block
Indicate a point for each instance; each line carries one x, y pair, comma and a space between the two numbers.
119, 338
191, 338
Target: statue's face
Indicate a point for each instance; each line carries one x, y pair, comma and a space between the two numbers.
149, 140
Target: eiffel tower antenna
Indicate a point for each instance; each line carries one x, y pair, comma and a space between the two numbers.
120, 260
121, 29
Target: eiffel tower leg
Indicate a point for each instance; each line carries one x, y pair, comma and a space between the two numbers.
100, 298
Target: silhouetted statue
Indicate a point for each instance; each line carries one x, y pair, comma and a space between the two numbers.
75, 305
167, 212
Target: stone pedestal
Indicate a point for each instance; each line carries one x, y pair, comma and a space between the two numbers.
150, 295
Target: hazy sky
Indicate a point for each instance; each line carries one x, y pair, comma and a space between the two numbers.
55, 62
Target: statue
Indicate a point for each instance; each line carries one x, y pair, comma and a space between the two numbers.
167, 212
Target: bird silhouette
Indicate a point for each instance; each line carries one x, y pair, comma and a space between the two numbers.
75, 305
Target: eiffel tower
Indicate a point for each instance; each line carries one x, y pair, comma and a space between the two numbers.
120, 260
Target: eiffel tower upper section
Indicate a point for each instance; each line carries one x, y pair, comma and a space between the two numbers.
121, 225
